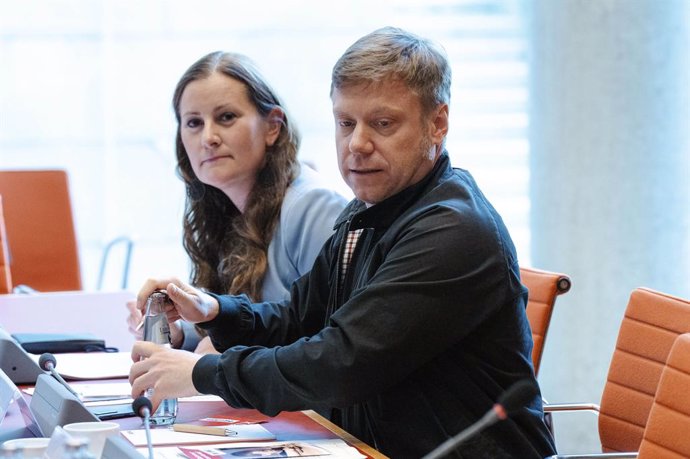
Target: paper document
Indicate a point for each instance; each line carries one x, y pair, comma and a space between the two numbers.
200, 398
103, 391
99, 393
167, 436
331, 448
92, 365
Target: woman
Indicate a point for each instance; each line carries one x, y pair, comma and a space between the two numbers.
254, 219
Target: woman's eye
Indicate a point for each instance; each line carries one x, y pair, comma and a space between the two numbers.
226, 117
193, 122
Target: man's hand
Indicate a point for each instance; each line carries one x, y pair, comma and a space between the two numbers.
167, 371
189, 303
134, 325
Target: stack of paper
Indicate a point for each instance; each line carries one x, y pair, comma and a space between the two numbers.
332, 448
168, 436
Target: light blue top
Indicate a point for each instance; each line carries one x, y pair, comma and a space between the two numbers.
307, 215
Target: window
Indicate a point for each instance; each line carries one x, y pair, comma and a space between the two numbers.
86, 85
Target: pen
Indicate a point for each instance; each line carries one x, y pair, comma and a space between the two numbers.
208, 430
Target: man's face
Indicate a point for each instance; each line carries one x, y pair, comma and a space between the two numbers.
384, 142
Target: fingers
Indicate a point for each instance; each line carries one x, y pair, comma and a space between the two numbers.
167, 371
142, 380
176, 334
134, 320
191, 303
185, 296
142, 350
150, 286
140, 375
188, 303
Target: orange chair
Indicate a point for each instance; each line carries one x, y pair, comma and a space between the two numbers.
667, 435
40, 229
652, 322
544, 287
5, 277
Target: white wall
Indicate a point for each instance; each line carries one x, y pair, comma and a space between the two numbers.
610, 165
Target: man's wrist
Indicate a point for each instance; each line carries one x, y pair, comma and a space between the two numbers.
213, 309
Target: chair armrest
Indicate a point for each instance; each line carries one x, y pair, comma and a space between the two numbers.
595, 456
554, 407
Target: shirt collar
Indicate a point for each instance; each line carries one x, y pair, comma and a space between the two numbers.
383, 214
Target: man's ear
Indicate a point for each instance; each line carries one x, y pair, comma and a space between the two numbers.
275, 124
439, 124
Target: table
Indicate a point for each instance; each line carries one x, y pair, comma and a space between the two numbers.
299, 425
104, 314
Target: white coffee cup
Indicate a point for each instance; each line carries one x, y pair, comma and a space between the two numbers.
95, 432
31, 447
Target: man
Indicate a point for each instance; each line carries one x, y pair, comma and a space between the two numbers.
412, 320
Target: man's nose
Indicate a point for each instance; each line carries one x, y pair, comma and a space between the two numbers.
360, 141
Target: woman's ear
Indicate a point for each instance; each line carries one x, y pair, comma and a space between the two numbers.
275, 124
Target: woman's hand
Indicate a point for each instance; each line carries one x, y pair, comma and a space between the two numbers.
205, 347
134, 320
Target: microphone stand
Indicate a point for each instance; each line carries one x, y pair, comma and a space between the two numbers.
147, 429
517, 396
142, 407
449, 445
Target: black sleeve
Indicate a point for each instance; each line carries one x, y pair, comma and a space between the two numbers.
440, 278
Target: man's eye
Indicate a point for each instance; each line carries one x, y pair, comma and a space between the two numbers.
383, 123
345, 124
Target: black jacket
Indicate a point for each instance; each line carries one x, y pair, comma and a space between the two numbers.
427, 332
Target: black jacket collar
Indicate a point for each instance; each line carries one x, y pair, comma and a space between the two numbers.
383, 214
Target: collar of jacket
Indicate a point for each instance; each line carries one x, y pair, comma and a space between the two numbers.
383, 214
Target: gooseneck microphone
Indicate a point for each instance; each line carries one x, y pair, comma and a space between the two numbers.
48, 363
517, 396
142, 407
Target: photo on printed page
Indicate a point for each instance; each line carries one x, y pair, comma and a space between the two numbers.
293, 449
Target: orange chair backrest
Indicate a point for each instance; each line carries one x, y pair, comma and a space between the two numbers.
544, 287
40, 229
667, 435
5, 276
652, 322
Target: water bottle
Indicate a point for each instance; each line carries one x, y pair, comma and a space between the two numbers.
77, 448
157, 330
9, 451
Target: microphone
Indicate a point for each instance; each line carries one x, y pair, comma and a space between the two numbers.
142, 407
48, 363
517, 396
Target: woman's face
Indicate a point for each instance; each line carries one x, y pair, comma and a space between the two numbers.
224, 135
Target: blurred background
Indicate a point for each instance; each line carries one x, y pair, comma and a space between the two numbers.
573, 116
